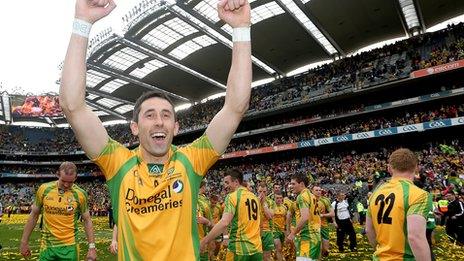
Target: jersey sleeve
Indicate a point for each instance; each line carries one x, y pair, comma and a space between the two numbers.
201, 154
327, 205
38, 201
420, 205
302, 203
84, 202
112, 158
230, 204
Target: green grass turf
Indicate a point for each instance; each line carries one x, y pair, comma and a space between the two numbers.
11, 231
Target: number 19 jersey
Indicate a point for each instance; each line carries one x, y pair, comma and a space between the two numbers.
389, 206
244, 230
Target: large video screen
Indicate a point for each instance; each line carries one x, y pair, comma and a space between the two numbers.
35, 106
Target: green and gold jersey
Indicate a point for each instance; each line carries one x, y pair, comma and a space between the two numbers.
244, 230
292, 210
389, 206
307, 200
60, 213
156, 211
217, 213
280, 215
324, 208
204, 210
288, 203
267, 224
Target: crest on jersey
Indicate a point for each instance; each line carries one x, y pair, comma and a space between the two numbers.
178, 186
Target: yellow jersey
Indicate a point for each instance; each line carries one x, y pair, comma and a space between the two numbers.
389, 206
156, 211
307, 200
217, 213
280, 215
61, 211
204, 210
267, 224
324, 207
244, 230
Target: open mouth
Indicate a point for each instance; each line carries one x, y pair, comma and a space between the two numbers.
158, 136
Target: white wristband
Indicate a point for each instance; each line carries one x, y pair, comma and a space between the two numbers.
91, 245
82, 28
241, 34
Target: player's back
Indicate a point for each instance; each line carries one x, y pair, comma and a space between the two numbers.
389, 206
244, 230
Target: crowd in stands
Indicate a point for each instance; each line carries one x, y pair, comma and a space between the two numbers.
308, 132
352, 126
441, 170
388, 63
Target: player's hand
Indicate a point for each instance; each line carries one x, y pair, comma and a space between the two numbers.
93, 10
91, 254
235, 13
113, 247
25, 249
203, 246
290, 237
202, 220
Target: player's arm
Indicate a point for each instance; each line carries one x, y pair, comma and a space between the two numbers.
416, 236
88, 227
268, 211
86, 125
301, 223
226, 121
218, 228
114, 241
370, 232
288, 221
330, 213
30, 224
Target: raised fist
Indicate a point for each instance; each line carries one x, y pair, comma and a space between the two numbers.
93, 10
235, 13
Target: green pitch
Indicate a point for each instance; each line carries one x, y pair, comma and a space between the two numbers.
11, 231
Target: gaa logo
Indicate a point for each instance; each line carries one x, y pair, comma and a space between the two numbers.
437, 124
362, 135
385, 132
461, 120
409, 128
69, 208
341, 138
178, 186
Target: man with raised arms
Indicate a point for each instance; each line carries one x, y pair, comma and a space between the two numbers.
154, 188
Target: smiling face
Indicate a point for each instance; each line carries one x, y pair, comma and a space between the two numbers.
156, 126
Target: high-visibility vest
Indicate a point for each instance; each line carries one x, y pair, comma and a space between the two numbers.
360, 207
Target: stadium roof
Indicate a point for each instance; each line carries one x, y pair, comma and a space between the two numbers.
183, 49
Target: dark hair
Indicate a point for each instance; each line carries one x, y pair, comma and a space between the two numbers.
148, 95
234, 174
300, 177
202, 183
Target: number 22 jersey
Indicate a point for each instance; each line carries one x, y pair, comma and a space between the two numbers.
389, 206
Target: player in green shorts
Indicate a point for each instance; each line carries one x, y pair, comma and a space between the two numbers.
326, 212
61, 203
280, 214
267, 213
